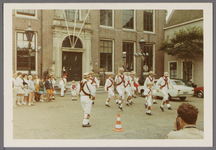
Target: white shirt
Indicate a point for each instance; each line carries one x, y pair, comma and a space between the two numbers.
118, 79
19, 82
109, 83
16, 85
161, 82
149, 79
61, 83
95, 82
128, 81
88, 89
147, 92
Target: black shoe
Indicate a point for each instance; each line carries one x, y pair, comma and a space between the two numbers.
149, 113
127, 104
93, 103
134, 96
162, 109
130, 103
107, 105
154, 102
116, 102
87, 125
120, 108
170, 108
146, 106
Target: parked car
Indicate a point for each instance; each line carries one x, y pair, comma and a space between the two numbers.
199, 92
180, 90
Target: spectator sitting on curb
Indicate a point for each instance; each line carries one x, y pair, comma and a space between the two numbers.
185, 125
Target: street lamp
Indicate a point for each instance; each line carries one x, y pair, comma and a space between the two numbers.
29, 34
142, 47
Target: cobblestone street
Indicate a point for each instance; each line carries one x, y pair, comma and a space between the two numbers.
62, 119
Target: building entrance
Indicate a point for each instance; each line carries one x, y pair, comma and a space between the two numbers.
73, 64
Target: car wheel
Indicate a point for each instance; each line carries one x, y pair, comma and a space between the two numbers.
142, 92
182, 98
200, 94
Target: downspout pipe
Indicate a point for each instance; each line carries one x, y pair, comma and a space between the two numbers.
41, 52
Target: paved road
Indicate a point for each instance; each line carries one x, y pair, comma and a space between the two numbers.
62, 119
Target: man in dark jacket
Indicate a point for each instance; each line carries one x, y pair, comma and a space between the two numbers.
48, 86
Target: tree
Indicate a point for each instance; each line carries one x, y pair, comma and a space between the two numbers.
185, 44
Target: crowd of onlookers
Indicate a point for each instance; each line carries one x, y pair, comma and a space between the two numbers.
28, 89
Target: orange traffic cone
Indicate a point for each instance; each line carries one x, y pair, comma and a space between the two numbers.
118, 127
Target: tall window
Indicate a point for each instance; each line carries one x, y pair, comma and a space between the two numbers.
148, 20
188, 73
148, 60
26, 12
70, 14
173, 70
106, 55
23, 51
128, 51
106, 17
128, 19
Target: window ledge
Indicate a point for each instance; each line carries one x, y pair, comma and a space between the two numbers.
107, 27
131, 30
149, 32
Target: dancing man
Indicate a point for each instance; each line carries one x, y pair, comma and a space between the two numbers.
120, 83
162, 85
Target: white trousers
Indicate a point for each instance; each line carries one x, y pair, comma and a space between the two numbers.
73, 93
121, 91
86, 105
164, 92
62, 90
110, 93
128, 90
149, 103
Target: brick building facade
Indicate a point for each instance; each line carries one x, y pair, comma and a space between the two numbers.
99, 39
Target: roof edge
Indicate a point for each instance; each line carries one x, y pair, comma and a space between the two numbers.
180, 24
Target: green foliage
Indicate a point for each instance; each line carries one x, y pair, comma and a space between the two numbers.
186, 43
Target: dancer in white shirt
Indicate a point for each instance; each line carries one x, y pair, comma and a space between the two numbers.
150, 78
109, 87
148, 96
95, 84
86, 97
162, 86
128, 88
120, 83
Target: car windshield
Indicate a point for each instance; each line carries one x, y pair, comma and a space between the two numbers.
177, 83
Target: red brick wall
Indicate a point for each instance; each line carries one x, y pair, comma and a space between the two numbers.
46, 43
118, 36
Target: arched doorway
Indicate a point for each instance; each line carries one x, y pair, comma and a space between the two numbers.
72, 60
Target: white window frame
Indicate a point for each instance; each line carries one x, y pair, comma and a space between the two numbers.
192, 80
134, 29
109, 27
149, 32
153, 64
104, 39
176, 67
36, 60
134, 57
26, 16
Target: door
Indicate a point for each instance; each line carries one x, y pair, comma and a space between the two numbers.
73, 64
